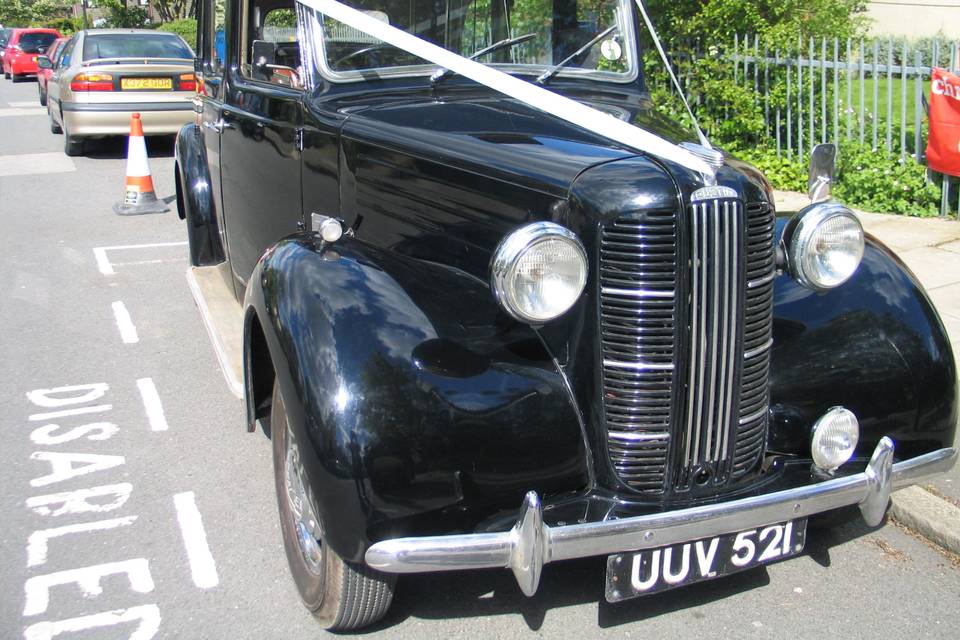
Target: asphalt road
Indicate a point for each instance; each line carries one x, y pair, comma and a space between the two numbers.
146, 511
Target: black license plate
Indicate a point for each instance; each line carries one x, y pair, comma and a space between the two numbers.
630, 575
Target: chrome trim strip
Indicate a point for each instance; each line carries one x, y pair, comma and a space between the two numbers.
531, 543
636, 293
753, 416
758, 350
753, 284
630, 436
695, 305
702, 339
638, 366
128, 107
715, 256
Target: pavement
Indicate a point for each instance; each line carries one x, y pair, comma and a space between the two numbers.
134, 505
930, 247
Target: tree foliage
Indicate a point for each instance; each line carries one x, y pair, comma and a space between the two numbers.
121, 16
23, 13
170, 10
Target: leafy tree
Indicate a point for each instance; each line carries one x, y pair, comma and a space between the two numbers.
120, 16
170, 10
22, 13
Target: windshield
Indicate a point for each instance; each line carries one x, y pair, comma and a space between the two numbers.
135, 45
35, 42
542, 33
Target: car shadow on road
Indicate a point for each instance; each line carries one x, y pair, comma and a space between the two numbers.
115, 147
495, 592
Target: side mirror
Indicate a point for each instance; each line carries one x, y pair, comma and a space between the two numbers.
823, 161
44, 62
264, 54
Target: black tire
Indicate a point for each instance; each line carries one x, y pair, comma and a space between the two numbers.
72, 145
15, 78
340, 595
54, 127
6, 75
43, 95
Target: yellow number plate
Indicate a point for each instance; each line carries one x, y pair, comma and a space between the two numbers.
146, 83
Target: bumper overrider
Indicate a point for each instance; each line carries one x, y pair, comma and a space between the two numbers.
530, 544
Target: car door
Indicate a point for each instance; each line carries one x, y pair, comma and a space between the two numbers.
260, 139
60, 67
211, 65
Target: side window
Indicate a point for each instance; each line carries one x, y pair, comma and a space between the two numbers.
216, 52
64, 59
269, 50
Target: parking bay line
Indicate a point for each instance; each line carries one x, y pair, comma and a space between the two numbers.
202, 567
25, 164
152, 404
106, 267
128, 332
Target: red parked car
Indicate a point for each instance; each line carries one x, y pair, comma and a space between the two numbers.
23, 49
43, 75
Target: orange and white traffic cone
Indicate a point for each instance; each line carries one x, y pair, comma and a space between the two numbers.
139, 196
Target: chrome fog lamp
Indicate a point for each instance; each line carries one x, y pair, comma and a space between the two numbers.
538, 272
834, 438
825, 246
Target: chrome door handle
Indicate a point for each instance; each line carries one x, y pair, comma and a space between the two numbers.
218, 126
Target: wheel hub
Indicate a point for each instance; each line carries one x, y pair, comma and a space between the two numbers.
303, 521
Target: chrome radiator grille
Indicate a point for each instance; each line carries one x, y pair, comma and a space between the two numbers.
757, 338
716, 274
638, 290
701, 423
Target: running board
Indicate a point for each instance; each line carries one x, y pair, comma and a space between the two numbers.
223, 318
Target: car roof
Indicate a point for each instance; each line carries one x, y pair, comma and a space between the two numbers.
35, 30
96, 32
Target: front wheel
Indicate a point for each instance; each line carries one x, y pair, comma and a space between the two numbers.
341, 595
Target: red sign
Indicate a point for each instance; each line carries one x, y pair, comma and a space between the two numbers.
943, 146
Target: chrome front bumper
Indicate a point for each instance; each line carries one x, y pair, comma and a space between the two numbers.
530, 544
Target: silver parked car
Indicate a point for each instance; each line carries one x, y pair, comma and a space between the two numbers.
104, 75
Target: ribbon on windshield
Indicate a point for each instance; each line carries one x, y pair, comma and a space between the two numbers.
588, 118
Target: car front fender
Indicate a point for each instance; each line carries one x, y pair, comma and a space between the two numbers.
424, 407
875, 345
195, 198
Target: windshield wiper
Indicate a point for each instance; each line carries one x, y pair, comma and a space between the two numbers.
440, 74
555, 69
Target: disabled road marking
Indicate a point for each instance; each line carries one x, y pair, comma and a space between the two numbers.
152, 404
202, 566
128, 332
106, 267
26, 164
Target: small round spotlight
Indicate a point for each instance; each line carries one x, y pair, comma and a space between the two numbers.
331, 230
834, 438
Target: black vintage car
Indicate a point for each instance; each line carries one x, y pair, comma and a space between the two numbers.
479, 335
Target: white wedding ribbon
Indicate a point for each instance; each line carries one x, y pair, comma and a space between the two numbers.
530, 94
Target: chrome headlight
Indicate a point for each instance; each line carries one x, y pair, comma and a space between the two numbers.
834, 438
826, 245
538, 272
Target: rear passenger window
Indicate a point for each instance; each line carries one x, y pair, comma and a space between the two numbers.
269, 50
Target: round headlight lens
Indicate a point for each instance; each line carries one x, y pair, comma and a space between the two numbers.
538, 272
826, 246
834, 438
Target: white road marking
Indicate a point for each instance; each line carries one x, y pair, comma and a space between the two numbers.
62, 468
37, 546
103, 263
37, 588
152, 404
50, 415
26, 164
147, 614
23, 103
42, 397
23, 111
202, 566
45, 436
138, 262
78, 501
128, 332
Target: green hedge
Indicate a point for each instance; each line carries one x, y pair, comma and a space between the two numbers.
186, 29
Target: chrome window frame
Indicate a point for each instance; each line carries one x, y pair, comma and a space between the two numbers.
319, 62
